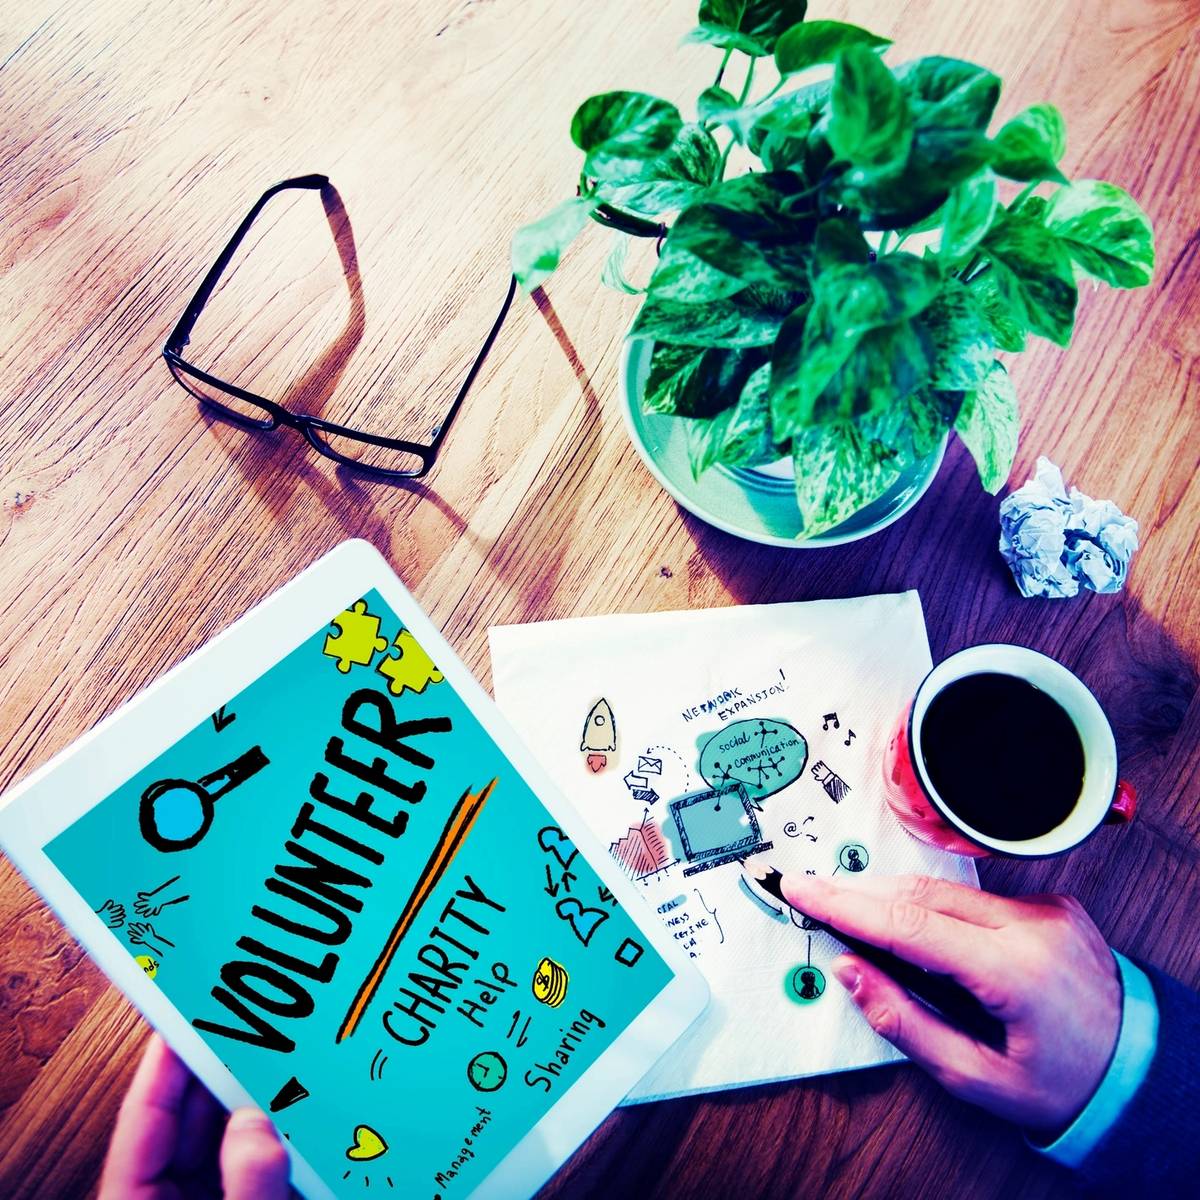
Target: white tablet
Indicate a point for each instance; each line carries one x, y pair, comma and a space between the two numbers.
325, 869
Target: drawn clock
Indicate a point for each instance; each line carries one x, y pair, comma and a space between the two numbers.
487, 1071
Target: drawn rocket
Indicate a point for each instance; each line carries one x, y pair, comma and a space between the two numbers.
600, 729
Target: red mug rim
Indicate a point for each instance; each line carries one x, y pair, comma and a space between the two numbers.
999, 846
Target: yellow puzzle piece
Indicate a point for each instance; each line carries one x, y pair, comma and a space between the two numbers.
357, 640
412, 668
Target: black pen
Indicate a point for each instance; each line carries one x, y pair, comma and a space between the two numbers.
949, 999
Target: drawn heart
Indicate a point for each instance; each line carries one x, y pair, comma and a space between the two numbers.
367, 1144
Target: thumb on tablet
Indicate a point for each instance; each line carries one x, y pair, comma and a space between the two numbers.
254, 1164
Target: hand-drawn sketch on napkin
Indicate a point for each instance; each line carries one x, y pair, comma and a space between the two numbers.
747, 734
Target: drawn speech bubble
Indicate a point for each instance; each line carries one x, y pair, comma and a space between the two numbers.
764, 756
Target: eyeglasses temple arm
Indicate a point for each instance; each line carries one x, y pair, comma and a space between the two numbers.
443, 428
183, 328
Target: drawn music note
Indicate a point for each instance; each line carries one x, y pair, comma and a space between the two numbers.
831, 717
850, 736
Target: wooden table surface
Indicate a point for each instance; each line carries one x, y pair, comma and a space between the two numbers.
134, 135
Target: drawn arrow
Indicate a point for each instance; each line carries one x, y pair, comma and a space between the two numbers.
220, 720
636, 782
551, 888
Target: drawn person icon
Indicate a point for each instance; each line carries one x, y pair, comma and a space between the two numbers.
805, 984
853, 858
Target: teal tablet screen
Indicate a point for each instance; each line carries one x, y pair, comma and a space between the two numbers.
344, 885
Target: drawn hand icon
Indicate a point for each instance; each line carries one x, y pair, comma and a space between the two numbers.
142, 933
112, 913
144, 906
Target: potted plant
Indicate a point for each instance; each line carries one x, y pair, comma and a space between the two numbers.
840, 300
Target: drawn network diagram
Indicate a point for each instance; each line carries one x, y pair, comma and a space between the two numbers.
749, 787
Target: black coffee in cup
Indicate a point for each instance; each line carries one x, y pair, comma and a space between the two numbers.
1004, 757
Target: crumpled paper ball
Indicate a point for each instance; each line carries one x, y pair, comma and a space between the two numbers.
1053, 542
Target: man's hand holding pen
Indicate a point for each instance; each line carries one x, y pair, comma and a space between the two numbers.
1037, 963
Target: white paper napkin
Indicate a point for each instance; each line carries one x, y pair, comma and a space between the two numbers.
752, 695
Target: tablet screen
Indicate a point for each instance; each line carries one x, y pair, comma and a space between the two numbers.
344, 885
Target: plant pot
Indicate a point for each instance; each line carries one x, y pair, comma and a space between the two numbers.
758, 504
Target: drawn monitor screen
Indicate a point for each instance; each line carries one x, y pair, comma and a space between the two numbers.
346, 888
716, 823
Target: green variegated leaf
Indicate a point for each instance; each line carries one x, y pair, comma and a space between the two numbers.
538, 246
739, 436
733, 321
745, 228
819, 371
691, 381
613, 273
988, 423
817, 42
622, 132
840, 467
870, 122
716, 106
1032, 273
962, 347
947, 93
807, 353
1029, 146
839, 242
886, 364
682, 274
844, 465
927, 418
715, 101
1104, 231
752, 26
903, 194
790, 113
677, 178
968, 215
951, 102
859, 297
1030, 206
1006, 320
673, 383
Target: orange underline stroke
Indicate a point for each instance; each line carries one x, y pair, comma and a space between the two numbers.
463, 816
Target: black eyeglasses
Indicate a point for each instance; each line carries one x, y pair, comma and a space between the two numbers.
389, 458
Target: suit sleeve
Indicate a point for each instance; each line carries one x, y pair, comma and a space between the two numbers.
1153, 1148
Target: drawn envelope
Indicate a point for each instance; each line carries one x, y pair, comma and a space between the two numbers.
649, 766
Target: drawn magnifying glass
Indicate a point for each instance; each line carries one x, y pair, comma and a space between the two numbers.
176, 813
